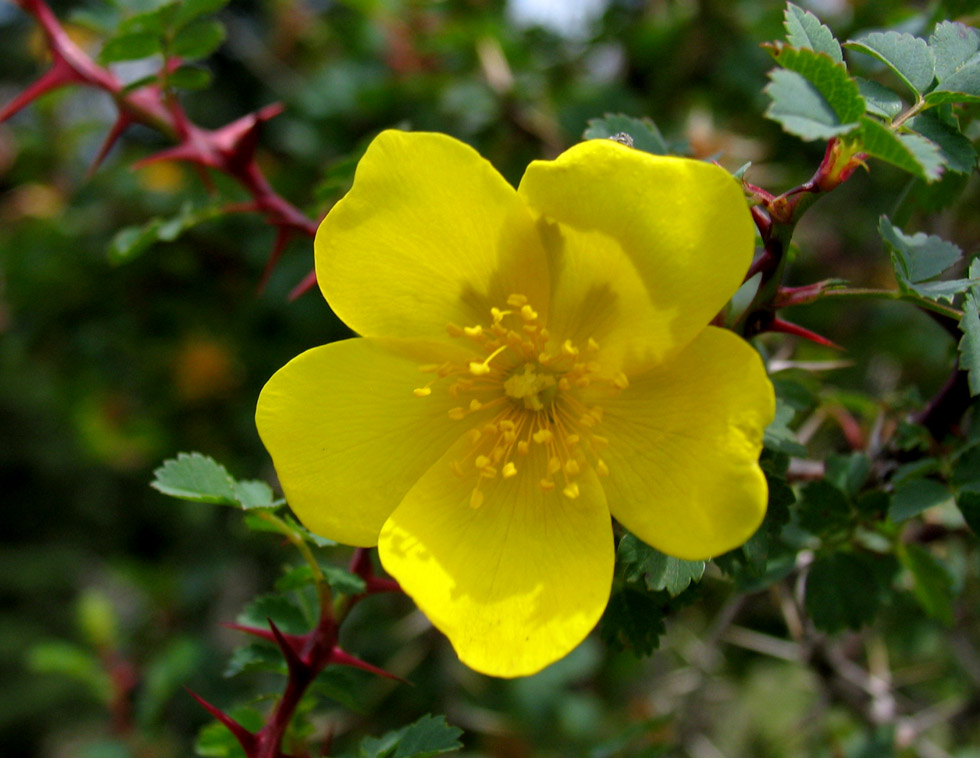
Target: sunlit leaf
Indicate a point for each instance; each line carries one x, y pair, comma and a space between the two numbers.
910, 152
911, 58
804, 30
642, 131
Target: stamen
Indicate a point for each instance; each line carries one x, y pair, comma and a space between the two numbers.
422, 391
476, 499
483, 367
517, 300
509, 470
543, 436
571, 491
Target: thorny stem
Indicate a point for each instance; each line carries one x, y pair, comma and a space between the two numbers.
230, 149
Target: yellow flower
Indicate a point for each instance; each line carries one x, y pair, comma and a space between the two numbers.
531, 362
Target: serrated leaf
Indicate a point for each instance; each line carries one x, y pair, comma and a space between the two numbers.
129, 47
658, 571
154, 21
258, 656
634, 620
845, 590
957, 150
909, 152
644, 133
915, 496
281, 610
969, 346
343, 581
804, 30
778, 436
829, 78
911, 58
932, 583
954, 45
190, 77
254, 494
195, 477
920, 256
430, 735
198, 39
880, 100
800, 108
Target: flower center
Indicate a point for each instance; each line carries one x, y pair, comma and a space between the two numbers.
530, 382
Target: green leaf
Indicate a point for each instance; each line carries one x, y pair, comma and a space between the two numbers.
848, 472
165, 675
909, 152
283, 612
957, 150
153, 22
658, 571
634, 620
131, 241
259, 656
430, 735
66, 659
800, 108
969, 505
954, 45
216, 741
190, 77
195, 477
919, 257
128, 47
956, 49
837, 89
823, 509
198, 39
845, 590
969, 346
644, 133
933, 585
915, 496
192, 9
778, 436
911, 58
254, 494
804, 30
880, 100
343, 581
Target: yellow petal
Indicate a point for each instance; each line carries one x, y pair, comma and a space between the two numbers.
684, 443
515, 578
349, 437
429, 234
645, 250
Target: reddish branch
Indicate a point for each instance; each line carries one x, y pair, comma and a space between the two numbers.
230, 149
306, 656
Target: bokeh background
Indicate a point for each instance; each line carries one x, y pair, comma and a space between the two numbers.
107, 369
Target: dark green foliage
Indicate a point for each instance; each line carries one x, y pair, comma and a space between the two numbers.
428, 736
634, 619
846, 590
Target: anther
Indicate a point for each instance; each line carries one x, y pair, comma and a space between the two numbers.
528, 313
543, 436
457, 414
522, 447
475, 404
454, 331
621, 381
568, 348
571, 491
601, 468
509, 470
481, 461
571, 467
476, 499
473, 331
554, 465
483, 367
422, 391
517, 300
591, 345
547, 484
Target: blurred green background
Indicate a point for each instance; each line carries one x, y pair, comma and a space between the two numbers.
106, 370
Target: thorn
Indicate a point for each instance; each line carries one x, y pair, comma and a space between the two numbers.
264, 634
59, 75
343, 658
308, 283
122, 124
785, 327
283, 235
293, 661
245, 738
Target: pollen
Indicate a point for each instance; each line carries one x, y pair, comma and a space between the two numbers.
519, 394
